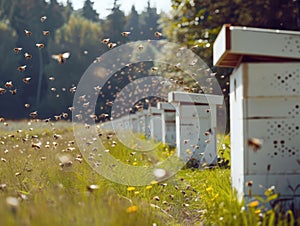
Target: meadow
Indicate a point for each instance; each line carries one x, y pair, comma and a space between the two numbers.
44, 180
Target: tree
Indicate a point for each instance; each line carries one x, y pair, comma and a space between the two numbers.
89, 12
11, 105
149, 22
26, 15
115, 24
80, 37
195, 24
133, 25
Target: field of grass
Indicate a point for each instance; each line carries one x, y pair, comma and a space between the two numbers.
44, 180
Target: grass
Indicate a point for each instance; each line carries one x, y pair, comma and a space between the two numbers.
53, 185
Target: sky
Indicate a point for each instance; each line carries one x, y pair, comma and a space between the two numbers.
103, 6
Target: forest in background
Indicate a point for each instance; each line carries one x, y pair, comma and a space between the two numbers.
192, 24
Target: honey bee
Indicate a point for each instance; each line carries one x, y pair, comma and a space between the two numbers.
13, 92
45, 33
61, 57
26, 80
17, 49
103, 115
105, 41
254, 143
27, 105
33, 114
157, 34
40, 45
22, 68
43, 18
111, 45
9, 84
2, 91
27, 33
27, 56
73, 89
125, 33
140, 47
51, 78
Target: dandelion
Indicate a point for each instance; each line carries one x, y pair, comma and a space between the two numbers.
136, 192
209, 189
130, 188
134, 163
131, 209
148, 187
154, 182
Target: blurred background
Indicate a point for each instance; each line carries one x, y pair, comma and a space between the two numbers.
79, 27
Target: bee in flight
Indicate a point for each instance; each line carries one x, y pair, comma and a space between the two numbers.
61, 57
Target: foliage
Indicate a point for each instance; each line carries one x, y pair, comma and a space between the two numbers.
63, 193
89, 12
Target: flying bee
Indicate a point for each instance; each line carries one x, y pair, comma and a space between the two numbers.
45, 33
17, 49
40, 45
2, 91
9, 84
27, 56
26, 80
33, 114
157, 34
103, 115
51, 78
27, 105
254, 143
13, 92
22, 68
140, 47
61, 57
125, 33
27, 33
111, 45
105, 41
43, 18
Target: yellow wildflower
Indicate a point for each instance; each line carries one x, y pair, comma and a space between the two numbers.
148, 187
253, 204
209, 189
154, 182
131, 209
136, 192
134, 163
130, 188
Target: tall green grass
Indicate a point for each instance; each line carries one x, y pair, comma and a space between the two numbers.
52, 193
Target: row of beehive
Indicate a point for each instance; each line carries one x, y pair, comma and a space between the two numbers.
187, 121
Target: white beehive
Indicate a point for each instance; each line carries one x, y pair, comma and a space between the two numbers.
168, 123
155, 123
196, 125
264, 109
140, 122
